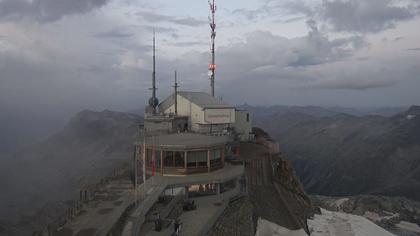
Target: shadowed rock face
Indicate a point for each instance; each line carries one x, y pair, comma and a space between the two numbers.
346, 155
90, 147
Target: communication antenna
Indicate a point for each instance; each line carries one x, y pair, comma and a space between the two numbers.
176, 86
153, 101
212, 67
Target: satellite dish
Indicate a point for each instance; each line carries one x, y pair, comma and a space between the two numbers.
210, 73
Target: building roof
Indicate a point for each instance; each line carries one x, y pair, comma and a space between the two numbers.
187, 140
201, 99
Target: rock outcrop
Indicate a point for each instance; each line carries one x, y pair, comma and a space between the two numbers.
274, 193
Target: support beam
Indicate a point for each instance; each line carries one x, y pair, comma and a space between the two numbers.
135, 166
218, 191
161, 162
223, 156
185, 160
208, 160
186, 192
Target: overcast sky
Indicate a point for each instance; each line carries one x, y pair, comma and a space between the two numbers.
66, 55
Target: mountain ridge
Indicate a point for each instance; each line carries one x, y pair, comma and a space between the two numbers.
346, 155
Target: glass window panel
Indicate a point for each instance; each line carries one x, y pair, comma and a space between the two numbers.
149, 157
157, 159
179, 159
215, 156
198, 157
168, 157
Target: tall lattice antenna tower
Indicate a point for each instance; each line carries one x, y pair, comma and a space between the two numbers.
212, 67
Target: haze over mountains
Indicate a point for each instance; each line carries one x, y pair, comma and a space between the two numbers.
340, 154
39, 179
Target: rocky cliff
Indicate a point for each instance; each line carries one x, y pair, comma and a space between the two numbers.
274, 193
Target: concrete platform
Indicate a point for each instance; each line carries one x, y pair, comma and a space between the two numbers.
198, 220
98, 216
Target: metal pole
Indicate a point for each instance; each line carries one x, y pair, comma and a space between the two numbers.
144, 162
176, 94
154, 71
212, 68
135, 166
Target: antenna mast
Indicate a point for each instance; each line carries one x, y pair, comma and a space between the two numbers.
176, 86
153, 101
212, 67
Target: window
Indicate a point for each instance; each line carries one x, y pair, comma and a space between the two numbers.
197, 159
157, 159
149, 157
215, 156
192, 160
168, 158
179, 159
247, 117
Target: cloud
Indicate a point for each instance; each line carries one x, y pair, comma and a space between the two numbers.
252, 14
190, 43
270, 57
297, 7
357, 16
156, 17
114, 33
364, 16
413, 49
45, 10
399, 38
353, 83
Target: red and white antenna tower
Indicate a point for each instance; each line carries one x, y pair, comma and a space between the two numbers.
212, 67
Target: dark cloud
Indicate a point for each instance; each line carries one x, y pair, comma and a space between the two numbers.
254, 13
396, 39
115, 33
364, 16
45, 10
158, 29
150, 16
319, 49
354, 83
366, 76
189, 43
359, 16
297, 7
293, 19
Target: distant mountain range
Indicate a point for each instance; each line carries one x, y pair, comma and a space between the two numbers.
336, 153
319, 111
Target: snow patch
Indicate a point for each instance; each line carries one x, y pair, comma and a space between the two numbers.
410, 117
339, 202
267, 228
375, 217
408, 226
342, 224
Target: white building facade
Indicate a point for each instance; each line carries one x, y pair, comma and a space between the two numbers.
207, 114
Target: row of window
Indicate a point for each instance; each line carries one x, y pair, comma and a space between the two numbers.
176, 159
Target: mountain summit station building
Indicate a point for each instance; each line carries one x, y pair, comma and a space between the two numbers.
192, 133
